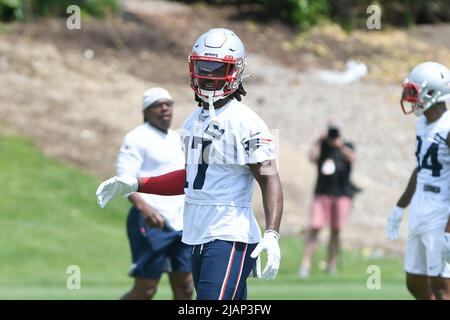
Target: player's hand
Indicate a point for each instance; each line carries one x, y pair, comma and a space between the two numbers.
446, 247
113, 187
393, 223
269, 243
153, 219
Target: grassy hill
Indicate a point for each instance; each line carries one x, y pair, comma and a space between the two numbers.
49, 220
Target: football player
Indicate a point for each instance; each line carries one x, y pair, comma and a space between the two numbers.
427, 254
155, 223
227, 147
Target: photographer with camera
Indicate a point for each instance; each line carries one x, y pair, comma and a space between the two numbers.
333, 194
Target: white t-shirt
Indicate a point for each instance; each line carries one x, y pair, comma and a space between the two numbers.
430, 206
219, 183
146, 152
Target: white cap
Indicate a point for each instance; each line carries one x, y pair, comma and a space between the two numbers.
153, 95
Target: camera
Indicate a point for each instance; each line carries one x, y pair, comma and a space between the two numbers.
333, 133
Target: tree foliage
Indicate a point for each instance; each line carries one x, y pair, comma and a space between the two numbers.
301, 13
349, 13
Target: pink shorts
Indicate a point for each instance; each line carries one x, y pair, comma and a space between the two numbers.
326, 209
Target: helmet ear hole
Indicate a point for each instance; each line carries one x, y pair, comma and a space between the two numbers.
430, 92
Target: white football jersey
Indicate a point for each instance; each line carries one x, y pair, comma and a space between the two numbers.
219, 183
430, 206
147, 152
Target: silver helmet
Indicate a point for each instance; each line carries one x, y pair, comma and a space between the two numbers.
216, 64
427, 84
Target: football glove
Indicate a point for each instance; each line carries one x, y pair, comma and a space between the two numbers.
269, 243
393, 223
114, 187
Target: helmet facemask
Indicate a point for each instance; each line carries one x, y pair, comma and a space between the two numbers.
419, 98
411, 100
427, 84
216, 77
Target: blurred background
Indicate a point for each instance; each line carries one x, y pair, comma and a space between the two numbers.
67, 97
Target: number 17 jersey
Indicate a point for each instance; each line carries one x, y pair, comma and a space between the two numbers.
219, 184
430, 206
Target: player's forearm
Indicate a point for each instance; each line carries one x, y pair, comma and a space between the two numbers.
137, 200
272, 195
406, 197
266, 175
169, 184
447, 228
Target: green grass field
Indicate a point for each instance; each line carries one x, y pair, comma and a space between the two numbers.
49, 220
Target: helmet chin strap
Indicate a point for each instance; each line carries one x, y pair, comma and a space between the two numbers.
212, 112
213, 120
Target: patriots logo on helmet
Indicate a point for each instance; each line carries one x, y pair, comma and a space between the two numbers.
214, 131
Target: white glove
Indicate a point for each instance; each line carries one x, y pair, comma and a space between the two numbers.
393, 223
113, 187
269, 243
446, 247
256, 271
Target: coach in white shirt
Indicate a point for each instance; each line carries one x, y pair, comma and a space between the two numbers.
155, 223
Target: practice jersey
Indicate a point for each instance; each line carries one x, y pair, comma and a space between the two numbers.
219, 183
146, 152
430, 206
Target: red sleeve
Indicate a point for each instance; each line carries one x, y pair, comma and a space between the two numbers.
169, 184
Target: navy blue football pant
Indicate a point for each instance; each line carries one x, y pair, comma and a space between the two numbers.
220, 269
151, 248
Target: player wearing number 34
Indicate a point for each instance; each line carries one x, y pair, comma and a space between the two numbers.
227, 147
427, 253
